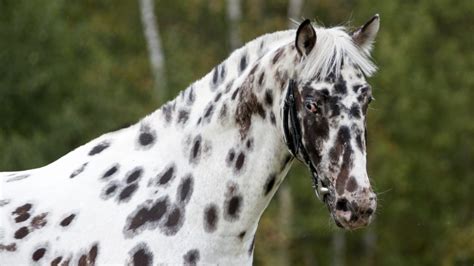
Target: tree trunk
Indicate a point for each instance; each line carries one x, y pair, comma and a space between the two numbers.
286, 221
152, 37
370, 242
234, 15
294, 12
339, 248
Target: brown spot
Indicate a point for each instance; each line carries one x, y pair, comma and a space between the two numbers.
242, 235
282, 78
142, 257
11, 247
268, 97
66, 262
38, 254
21, 218
351, 185
22, 232
39, 221
82, 260
247, 107
252, 71
240, 161
272, 118
234, 94
93, 254
261, 78
278, 55
344, 171
22, 209
89, 258
56, 261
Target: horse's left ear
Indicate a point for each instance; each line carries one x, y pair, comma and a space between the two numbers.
305, 38
364, 36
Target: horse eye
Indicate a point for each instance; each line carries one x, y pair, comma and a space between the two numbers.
311, 107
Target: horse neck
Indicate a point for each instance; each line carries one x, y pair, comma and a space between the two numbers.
228, 127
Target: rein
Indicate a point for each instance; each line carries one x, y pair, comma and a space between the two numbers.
293, 138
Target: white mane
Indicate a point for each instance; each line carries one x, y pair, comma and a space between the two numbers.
333, 47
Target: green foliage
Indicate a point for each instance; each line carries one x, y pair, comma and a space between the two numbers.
74, 70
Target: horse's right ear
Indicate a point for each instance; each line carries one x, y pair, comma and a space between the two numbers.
305, 38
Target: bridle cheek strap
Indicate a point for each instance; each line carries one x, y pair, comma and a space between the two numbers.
293, 138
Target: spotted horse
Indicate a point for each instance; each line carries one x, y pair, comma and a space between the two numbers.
188, 183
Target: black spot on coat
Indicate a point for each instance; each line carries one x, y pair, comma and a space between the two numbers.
269, 184
147, 214
127, 192
185, 189
99, 148
134, 175
340, 87
191, 257
146, 138
174, 220
355, 111
141, 255
183, 116
110, 172
240, 161
211, 218
233, 207
67, 221
243, 63
168, 174
268, 97
78, 170
196, 149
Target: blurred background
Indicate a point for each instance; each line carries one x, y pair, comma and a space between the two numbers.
72, 70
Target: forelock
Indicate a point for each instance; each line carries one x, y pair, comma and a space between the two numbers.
334, 47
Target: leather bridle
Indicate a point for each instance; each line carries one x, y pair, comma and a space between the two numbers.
293, 138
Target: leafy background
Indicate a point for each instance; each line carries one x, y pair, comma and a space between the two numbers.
72, 70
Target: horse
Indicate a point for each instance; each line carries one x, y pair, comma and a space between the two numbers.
189, 182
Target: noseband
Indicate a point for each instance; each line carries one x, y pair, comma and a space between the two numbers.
293, 138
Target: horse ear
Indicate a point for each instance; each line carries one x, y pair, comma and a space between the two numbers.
364, 36
305, 38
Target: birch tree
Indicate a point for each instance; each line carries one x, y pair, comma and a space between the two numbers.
155, 51
234, 15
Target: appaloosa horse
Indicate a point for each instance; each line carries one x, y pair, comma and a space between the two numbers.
188, 183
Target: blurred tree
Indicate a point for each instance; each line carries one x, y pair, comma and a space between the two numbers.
234, 15
152, 36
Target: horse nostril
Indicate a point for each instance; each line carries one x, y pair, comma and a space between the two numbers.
342, 205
